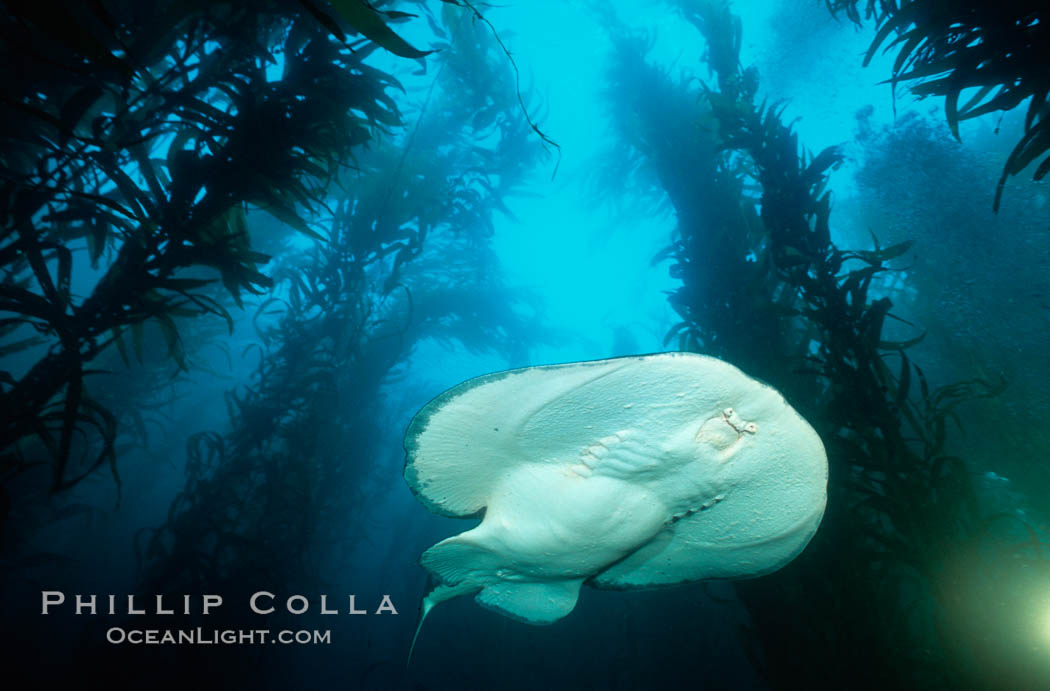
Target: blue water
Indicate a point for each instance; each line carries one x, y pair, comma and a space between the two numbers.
578, 255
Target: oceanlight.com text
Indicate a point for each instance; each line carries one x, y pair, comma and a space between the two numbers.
202, 636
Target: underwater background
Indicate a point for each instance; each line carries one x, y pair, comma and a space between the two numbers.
244, 242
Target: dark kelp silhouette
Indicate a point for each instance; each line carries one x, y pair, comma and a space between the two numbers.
142, 133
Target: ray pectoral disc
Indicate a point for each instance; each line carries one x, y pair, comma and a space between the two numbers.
624, 473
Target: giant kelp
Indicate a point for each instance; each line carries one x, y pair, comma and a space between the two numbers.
996, 52
290, 489
873, 602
